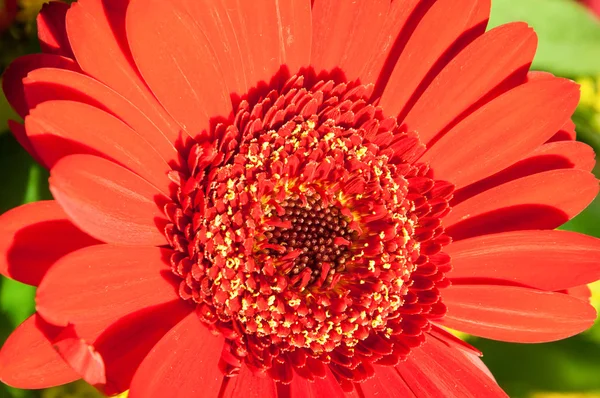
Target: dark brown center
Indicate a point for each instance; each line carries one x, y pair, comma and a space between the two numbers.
319, 234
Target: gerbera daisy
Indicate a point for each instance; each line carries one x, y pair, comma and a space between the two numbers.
292, 198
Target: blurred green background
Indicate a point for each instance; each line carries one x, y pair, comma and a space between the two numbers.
569, 45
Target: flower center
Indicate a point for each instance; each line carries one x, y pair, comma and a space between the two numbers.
307, 234
319, 237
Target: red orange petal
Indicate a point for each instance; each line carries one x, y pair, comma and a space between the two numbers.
249, 385
344, 32
444, 30
108, 201
103, 23
498, 58
549, 260
27, 359
531, 202
94, 287
550, 156
187, 80
515, 314
55, 133
184, 360
12, 80
46, 84
52, 31
503, 131
45, 224
438, 370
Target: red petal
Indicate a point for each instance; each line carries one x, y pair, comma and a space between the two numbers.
343, 32
327, 387
94, 287
387, 382
251, 40
55, 133
582, 292
81, 356
248, 385
550, 156
12, 80
438, 370
103, 23
125, 344
502, 131
380, 59
48, 84
500, 57
186, 79
184, 363
27, 359
447, 24
52, 31
539, 201
515, 314
108, 201
549, 260
566, 133
33, 237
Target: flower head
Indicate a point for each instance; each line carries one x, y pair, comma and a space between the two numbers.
292, 198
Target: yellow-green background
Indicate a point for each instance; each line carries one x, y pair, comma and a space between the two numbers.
569, 45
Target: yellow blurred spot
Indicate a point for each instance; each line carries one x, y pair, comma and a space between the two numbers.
588, 91
595, 300
461, 335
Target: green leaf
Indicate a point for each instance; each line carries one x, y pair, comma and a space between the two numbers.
569, 365
21, 178
6, 112
569, 36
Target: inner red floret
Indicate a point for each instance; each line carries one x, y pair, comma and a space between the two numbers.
309, 235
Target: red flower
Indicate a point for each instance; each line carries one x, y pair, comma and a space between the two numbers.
292, 198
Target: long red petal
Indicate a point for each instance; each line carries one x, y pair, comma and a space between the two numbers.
103, 23
531, 202
27, 359
380, 59
48, 84
52, 31
387, 382
438, 370
108, 201
33, 237
343, 32
500, 57
550, 156
12, 80
515, 314
248, 385
251, 40
503, 131
125, 344
55, 133
326, 387
446, 24
187, 80
184, 363
549, 260
93, 287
